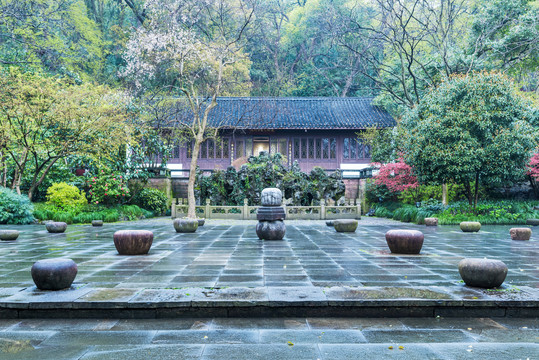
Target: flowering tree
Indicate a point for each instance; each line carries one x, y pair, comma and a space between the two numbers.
397, 177
194, 47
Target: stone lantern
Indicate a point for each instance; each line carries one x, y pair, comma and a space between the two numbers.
271, 215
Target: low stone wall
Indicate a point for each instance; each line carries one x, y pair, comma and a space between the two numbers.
351, 210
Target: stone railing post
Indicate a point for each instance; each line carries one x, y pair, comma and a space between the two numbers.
322, 209
245, 212
358, 208
207, 211
173, 208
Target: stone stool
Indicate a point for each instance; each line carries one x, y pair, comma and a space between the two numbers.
56, 227
201, 222
484, 273
405, 241
520, 233
54, 274
532, 222
329, 222
431, 221
133, 242
185, 225
97, 222
470, 226
345, 225
9, 235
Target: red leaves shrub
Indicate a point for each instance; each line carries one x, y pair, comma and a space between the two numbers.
397, 177
533, 166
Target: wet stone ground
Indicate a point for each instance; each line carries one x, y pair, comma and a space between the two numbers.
229, 254
278, 338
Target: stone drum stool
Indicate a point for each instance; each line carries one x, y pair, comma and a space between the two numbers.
186, 225
520, 233
404, 241
532, 222
54, 274
470, 226
56, 227
431, 221
97, 222
9, 235
271, 215
345, 225
133, 242
484, 273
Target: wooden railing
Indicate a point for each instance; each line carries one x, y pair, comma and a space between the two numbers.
351, 210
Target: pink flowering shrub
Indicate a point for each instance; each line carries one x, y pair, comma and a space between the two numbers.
533, 166
397, 177
107, 188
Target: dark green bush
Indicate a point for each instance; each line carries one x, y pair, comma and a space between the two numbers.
152, 199
90, 212
14, 208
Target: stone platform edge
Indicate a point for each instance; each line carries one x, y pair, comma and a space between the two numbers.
88, 302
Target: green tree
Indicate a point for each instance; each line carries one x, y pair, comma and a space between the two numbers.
45, 119
470, 129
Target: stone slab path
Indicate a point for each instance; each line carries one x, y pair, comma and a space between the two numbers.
275, 338
225, 270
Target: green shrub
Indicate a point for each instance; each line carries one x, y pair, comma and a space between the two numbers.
14, 208
152, 199
65, 196
107, 188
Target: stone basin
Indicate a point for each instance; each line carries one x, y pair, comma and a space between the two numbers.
470, 226
345, 225
185, 225
9, 235
54, 274
133, 242
404, 241
484, 273
56, 227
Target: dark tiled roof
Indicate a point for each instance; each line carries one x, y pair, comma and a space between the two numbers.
298, 113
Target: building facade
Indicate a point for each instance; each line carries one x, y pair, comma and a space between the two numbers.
321, 132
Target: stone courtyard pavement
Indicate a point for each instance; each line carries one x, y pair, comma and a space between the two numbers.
221, 293
225, 270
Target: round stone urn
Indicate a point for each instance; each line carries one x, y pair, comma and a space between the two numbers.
271, 197
520, 233
431, 221
345, 225
133, 242
532, 222
404, 241
484, 273
56, 227
201, 222
329, 222
271, 230
97, 222
470, 226
54, 274
9, 235
185, 225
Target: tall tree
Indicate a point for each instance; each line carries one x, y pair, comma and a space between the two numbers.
195, 47
472, 129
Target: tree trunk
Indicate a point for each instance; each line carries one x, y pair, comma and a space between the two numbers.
35, 181
444, 194
476, 195
468, 192
191, 202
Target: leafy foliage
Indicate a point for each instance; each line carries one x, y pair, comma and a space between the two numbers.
471, 128
66, 196
397, 176
230, 187
152, 199
14, 208
86, 214
533, 166
107, 187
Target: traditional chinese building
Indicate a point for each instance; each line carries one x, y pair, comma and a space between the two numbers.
312, 131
